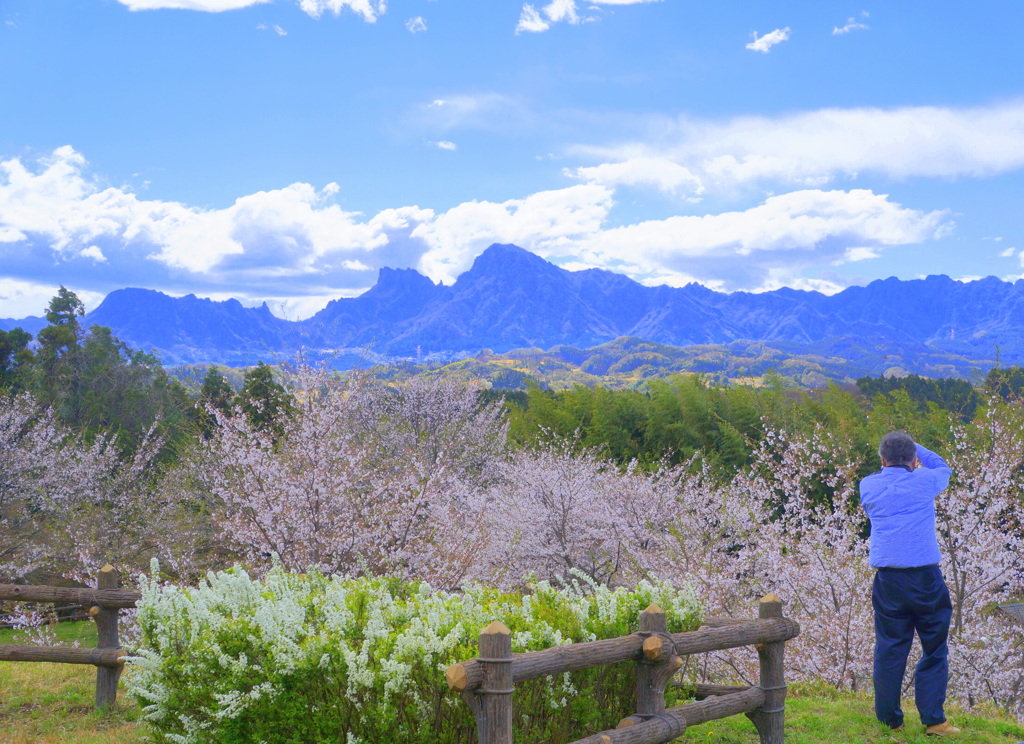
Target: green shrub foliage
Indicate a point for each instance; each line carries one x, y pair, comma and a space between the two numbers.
314, 658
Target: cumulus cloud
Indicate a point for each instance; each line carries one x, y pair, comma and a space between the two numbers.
535, 20
817, 147
57, 216
766, 42
94, 252
209, 6
546, 222
446, 145
531, 21
19, 299
659, 172
416, 25
785, 233
368, 10
295, 246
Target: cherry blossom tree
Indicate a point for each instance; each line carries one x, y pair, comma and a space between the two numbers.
29, 439
359, 477
68, 506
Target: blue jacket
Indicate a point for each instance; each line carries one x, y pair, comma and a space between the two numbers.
901, 506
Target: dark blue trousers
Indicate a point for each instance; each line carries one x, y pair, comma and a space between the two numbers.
906, 600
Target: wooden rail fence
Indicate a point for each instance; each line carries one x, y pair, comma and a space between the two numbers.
103, 602
488, 682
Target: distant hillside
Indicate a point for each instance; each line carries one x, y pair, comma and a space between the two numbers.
629, 362
511, 299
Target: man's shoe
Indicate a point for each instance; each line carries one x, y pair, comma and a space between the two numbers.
942, 729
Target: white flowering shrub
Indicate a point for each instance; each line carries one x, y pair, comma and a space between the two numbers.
310, 658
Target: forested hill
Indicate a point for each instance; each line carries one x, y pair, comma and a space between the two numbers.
511, 298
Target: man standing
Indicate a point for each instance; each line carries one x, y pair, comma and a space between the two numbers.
909, 592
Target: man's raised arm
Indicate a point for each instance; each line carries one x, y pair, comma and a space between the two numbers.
936, 465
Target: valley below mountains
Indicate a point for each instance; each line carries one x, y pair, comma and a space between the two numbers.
513, 300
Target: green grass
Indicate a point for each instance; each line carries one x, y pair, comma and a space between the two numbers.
820, 716
67, 633
53, 704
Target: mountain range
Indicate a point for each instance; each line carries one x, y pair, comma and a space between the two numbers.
511, 298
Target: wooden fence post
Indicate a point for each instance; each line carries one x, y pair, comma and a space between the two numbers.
770, 718
494, 696
107, 637
654, 671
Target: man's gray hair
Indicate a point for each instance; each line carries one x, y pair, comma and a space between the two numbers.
897, 448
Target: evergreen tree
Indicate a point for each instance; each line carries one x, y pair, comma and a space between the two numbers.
15, 356
216, 393
264, 402
95, 383
56, 381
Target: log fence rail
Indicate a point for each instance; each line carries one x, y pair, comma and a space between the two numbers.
487, 683
103, 602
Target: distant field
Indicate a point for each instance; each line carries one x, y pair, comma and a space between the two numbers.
53, 704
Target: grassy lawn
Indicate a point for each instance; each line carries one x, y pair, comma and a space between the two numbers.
817, 716
53, 704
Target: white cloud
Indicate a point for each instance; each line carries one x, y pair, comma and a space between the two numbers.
488, 111
557, 11
816, 147
209, 6
562, 10
659, 172
368, 10
289, 232
94, 252
778, 279
799, 220
530, 20
275, 28
764, 246
859, 253
19, 299
416, 25
852, 24
1008, 253
766, 42
294, 243
543, 222
446, 145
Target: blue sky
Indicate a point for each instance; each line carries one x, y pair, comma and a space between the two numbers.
285, 150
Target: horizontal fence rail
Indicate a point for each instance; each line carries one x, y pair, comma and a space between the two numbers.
112, 599
488, 682
103, 602
108, 657
468, 675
